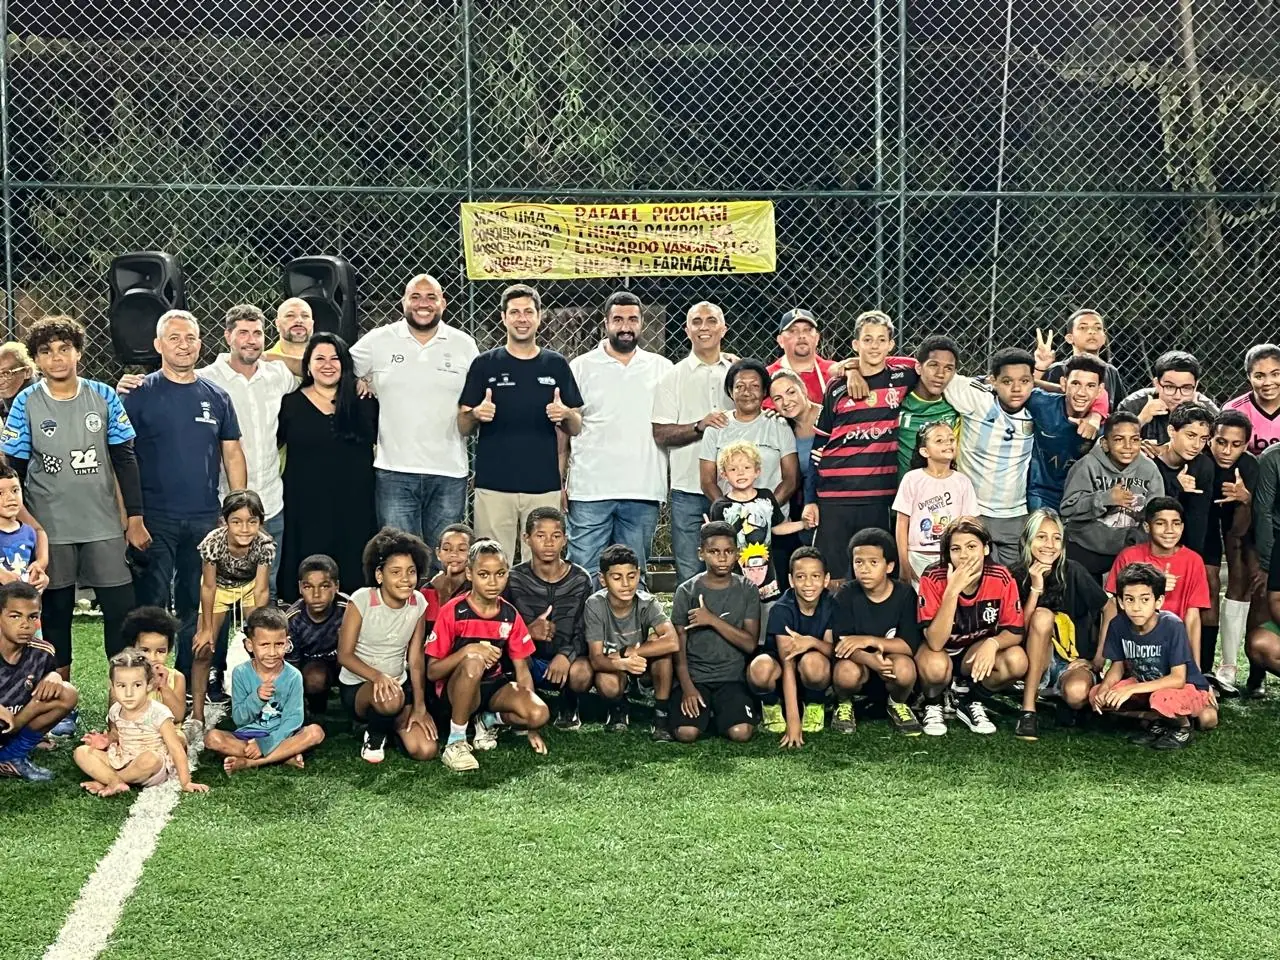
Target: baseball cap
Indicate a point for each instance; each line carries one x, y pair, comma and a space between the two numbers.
794, 316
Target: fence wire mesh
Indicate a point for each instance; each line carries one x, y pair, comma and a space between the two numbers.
978, 170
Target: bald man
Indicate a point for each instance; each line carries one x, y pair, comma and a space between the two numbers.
417, 367
295, 324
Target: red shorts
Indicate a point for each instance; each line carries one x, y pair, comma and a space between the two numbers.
1183, 701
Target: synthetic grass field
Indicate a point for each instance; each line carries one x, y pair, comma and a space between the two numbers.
873, 846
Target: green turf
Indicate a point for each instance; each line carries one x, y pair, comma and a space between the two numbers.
52, 833
866, 846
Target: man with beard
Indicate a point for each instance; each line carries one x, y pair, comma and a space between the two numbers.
798, 336
295, 324
617, 473
417, 367
187, 435
521, 397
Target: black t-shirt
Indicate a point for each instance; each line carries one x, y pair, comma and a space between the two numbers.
753, 522
516, 452
18, 679
1195, 506
1222, 515
857, 615
1077, 595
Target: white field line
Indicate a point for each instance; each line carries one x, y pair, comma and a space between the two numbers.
96, 912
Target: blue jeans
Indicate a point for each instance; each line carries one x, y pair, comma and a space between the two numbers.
275, 527
596, 524
172, 572
420, 503
687, 511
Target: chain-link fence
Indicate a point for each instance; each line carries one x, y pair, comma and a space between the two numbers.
974, 169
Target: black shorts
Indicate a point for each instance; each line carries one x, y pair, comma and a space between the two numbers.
728, 705
347, 692
838, 522
329, 663
1098, 564
1273, 571
488, 688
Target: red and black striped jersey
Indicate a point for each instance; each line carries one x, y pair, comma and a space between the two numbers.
458, 624
994, 607
859, 438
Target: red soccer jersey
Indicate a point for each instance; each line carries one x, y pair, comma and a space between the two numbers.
815, 379
458, 624
1185, 566
994, 607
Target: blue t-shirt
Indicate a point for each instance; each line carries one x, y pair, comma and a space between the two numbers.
1057, 447
17, 549
1150, 656
180, 427
787, 613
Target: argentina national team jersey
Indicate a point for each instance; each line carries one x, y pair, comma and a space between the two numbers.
995, 448
70, 485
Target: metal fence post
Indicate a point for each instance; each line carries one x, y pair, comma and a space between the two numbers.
6, 176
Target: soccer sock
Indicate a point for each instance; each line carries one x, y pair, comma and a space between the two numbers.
380, 725
1235, 616
1208, 646
317, 702
21, 744
489, 718
769, 699
660, 707
1257, 675
457, 731
568, 700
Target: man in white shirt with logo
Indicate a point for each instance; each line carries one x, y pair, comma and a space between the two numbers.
689, 400
417, 367
617, 473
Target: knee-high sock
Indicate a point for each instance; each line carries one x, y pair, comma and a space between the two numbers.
1235, 617
1208, 646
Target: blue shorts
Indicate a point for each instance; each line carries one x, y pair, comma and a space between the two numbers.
1054, 672
538, 668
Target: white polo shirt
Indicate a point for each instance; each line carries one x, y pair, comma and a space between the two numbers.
614, 457
418, 386
256, 400
690, 390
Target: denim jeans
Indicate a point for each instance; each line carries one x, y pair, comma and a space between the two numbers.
596, 524
275, 527
687, 511
420, 503
172, 573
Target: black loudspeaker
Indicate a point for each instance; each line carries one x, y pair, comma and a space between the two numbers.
328, 285
144, 285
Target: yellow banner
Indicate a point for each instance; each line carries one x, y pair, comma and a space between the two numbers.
527, 241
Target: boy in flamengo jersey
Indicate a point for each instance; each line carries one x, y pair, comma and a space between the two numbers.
1152, 664
314, 620
1186, 592
479, 655
858, 471
1230, 535
972, 618
1262, 403
936, 363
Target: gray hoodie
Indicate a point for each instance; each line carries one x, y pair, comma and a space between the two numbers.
1093, 521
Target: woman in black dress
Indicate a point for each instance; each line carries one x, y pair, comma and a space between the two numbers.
328, 434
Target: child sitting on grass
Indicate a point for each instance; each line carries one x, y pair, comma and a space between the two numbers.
314, 621
141, 747
152, 631
237, 566
1152, 665
266, 702
33, 696
479, 655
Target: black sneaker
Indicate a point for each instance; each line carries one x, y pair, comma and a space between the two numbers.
974, 716
618, 721
660, 732
215, 693
1226, 689
568, 719
1065, 715
1148, 735
1173, 738
1255, 693
1028, 726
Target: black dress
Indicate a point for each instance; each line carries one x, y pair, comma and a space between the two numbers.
328, 492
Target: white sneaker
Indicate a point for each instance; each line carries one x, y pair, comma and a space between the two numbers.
974, 716
457, 757
374, 748
193, 730
935, 725
486, 738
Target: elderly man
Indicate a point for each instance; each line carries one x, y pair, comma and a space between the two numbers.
689, 400
187, 434
294, 324
617, 473
417, 367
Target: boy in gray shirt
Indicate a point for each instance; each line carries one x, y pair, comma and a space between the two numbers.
618, 623
717, 617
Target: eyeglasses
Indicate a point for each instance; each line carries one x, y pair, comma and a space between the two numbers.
1186, 390
11, 373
